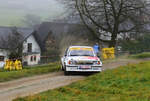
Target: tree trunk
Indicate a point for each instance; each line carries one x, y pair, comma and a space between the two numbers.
112, 43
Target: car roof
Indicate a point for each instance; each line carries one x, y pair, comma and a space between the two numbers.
80, 47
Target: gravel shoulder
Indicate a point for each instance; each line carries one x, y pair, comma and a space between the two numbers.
33, 85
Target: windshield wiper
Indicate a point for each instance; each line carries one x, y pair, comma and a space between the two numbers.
85, 55
73, 55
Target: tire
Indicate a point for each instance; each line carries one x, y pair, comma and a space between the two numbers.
62, 68
66, 73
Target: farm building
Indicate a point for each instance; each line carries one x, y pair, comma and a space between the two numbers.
31, 50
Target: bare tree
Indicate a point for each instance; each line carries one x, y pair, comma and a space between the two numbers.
111, 17
13, 43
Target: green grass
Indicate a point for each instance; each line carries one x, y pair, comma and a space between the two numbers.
141, 55
28, 71
127, 83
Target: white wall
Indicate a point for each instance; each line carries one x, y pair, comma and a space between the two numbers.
35, 46
35, 49
34, 62
4, 53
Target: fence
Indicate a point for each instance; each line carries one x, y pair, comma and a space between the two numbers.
48, 59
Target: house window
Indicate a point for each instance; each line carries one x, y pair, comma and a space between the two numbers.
31, 59
1, 58
29, 47
34, 58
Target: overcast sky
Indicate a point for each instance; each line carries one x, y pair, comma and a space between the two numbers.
13, 9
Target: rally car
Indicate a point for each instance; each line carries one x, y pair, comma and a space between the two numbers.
80, 59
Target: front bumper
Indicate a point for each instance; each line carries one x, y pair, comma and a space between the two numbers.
78, 69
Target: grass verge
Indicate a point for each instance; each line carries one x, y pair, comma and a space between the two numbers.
141, 55
28, 71
127, 83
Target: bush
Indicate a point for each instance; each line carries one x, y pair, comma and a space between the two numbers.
137, 46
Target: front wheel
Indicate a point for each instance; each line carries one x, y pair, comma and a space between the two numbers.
62, 67
66, 73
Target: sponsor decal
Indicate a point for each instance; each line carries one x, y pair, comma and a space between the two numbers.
89, 57
84, 67
86, 49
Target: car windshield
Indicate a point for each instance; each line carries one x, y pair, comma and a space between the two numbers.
81, 52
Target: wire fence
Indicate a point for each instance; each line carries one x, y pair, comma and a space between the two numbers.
49, 59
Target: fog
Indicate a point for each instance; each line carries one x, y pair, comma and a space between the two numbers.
13, 11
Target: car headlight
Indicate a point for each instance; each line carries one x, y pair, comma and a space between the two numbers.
97, 63
71, 62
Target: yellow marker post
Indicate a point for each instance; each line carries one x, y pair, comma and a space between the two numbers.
18, 65
11, 65
108, 53
6, 67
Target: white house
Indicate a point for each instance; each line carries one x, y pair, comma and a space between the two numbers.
31, 48
31, 51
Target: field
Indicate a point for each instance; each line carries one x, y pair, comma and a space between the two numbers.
126, 83
141, 55
28, 72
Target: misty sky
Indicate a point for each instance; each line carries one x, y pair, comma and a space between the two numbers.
12, 11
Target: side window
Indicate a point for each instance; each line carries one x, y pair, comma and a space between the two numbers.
31, 58
1, 58
34, 58
66, 52
29, 47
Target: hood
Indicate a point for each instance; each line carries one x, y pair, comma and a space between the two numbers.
83, 58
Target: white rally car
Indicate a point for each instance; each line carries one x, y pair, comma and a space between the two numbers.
80, 59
